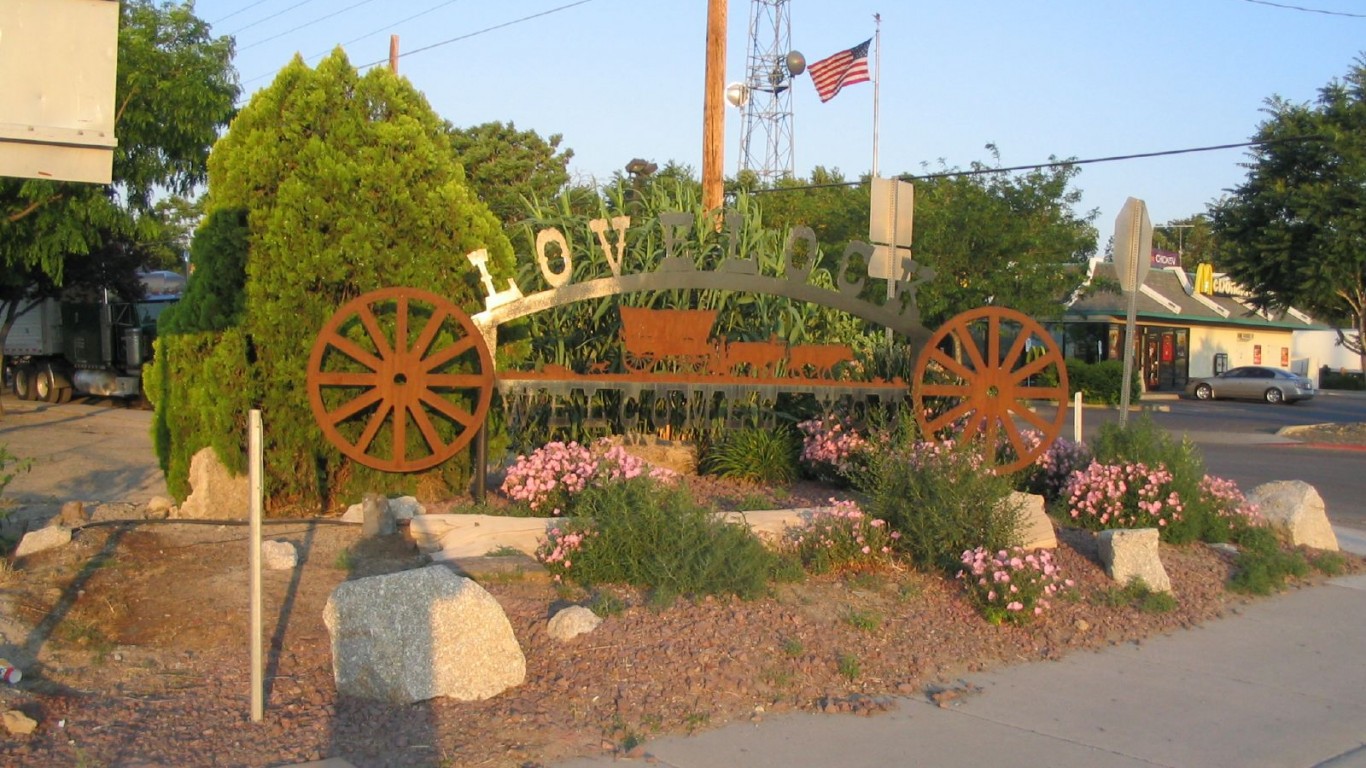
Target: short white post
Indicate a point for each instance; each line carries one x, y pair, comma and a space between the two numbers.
1076, 416
254, 541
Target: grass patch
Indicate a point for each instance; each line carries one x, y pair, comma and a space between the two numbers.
864, 621
606, 604
1138, 596
849, 666
1329, 563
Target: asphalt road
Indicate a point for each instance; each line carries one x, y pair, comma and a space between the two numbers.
96, 452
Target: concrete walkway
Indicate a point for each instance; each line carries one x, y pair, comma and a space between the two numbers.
1279, 683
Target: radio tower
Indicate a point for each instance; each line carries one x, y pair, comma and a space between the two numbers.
766, 95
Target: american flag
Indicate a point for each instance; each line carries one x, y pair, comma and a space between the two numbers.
844, 68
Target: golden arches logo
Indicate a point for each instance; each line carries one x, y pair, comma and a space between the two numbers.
1204, 279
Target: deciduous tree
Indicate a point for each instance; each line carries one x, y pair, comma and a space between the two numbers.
1294, 232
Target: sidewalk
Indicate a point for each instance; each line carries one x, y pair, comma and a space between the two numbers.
1281, 682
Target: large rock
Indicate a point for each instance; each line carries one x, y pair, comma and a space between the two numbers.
415, 635
1129, 554
215, 493
1294, 509
1036, 528
44, 538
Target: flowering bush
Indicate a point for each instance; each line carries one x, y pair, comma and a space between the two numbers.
1049, 473
560, 547
829, 448
842, 537
1228, 512
555, 472
1011, 585
1129, 495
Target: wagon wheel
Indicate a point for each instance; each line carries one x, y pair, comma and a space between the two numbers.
400, 379
1006, 362
637, 362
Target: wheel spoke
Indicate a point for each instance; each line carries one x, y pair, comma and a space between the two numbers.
429, 331
401, 327
1016, 439
354, 406
1030, 368
428, 430
448, 354
372, 427
1016, 350
993, 342
449, 409
945, 390
950, 416
367, 318
938, 355
340, 379
1030, 416
352, 350
1041, 393
974, 352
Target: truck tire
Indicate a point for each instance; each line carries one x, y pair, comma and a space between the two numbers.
51, 385
43, 387
23, 382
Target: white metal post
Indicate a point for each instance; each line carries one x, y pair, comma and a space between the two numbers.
254, 541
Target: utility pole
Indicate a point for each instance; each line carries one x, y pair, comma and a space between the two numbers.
713, 107
393, 54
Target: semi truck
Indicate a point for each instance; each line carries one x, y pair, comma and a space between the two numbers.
59, 349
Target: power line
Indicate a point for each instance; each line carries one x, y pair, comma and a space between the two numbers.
479, 32
239, 10
1307, 10
1051, 164
306, 24
268, 18
434, 45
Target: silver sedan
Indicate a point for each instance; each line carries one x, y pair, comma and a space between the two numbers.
1253, 382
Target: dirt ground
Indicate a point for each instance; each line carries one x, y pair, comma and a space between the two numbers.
134, 643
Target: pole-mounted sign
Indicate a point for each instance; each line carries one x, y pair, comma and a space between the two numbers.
1133, 249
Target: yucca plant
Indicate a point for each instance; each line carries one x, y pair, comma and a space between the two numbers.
755, 455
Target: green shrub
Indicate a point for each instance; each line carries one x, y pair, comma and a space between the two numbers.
939, 498
1262, 565
645, 534
1330, 379
1100, 382
766, 456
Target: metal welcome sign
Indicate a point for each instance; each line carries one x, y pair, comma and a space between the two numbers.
401, 379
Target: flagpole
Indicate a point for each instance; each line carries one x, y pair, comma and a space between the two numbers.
877, 82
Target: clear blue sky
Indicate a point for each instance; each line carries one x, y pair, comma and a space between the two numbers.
1069, 78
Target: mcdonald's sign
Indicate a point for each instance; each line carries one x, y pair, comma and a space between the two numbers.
1204, 278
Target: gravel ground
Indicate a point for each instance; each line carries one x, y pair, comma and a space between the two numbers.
133, 641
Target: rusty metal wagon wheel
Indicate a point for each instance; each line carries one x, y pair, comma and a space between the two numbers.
400, 379
979, 377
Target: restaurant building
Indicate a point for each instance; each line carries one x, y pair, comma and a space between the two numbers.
1187, 325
